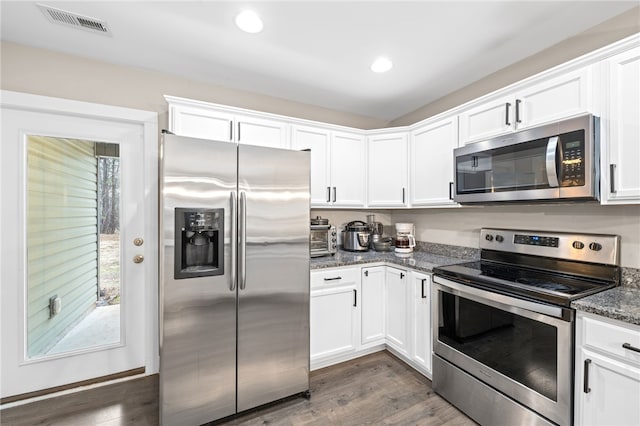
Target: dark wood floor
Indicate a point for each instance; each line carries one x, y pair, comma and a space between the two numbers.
375, 389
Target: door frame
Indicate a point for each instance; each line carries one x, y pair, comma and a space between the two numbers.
148, 120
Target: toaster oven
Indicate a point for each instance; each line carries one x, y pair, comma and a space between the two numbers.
323, 240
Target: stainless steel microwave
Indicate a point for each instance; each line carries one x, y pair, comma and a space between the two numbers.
554, 162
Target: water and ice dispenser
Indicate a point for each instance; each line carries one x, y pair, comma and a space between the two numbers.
199, 242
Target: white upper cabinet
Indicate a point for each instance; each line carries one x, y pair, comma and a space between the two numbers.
198, 122
620, 124
347, 169
531, 104
256, 131
431, 155
387, 171
318, 141
337, 165
208, 121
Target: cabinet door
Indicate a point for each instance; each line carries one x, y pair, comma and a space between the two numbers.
317, 140
613, 387
397, 292
372, 307
333, 321
554, 99
347, 170
421, 320
621, 150
387, 170
488, 119
255, 131
432, 168
200, 123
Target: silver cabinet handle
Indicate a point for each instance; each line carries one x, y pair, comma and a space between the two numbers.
612, 176
630, 347
403, 195
238, 131
586, 388
518, 102
234, 240
552, 175
507, 106
328, 194
231, 130
334, 194
242, 247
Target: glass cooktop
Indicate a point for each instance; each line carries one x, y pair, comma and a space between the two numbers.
529, 283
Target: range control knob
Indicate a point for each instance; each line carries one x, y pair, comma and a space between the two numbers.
489, 237
333, 233
499, 238
595, 246
578, 245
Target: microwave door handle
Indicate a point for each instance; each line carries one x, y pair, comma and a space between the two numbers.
552, 174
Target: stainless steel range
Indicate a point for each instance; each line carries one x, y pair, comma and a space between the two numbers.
503, 348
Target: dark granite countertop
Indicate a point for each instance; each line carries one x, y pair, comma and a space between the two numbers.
421, 261
620, 303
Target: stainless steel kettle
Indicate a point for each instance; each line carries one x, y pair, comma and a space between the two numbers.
355, 236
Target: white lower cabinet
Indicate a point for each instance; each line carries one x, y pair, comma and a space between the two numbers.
373, 306
607, 390
334, 315
420, 343
397, 314
358, 310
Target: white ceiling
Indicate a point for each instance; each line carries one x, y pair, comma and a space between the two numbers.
319, 52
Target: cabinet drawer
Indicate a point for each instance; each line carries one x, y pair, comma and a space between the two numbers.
610, 338
334, 277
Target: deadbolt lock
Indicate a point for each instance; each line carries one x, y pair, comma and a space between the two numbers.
138, 258
138, 242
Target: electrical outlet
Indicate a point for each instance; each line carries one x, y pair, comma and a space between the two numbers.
55, 306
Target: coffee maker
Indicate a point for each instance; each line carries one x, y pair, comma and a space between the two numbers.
405, 239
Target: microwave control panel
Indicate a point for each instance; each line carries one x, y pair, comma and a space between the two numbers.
572, 167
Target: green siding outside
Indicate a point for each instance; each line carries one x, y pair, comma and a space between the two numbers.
62, 236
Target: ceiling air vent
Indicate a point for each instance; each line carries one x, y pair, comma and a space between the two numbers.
70, 19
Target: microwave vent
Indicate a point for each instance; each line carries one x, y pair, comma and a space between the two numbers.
74, 20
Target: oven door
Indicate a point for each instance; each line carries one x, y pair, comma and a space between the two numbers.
319, 242
521, 348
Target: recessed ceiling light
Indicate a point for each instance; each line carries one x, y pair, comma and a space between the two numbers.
249, 21
381, 65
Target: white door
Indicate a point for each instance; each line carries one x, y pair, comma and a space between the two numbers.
75, 305
317, 140
387, 170
372, 307
347, 169
397, 315
432, 163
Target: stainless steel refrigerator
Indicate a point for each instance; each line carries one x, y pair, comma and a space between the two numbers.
234, 278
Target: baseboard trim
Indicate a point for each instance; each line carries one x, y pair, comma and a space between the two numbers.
57, 389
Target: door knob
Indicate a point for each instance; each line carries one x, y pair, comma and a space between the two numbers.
138, 258
138, 241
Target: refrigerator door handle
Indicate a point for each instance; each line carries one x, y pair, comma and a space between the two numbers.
234, 240
242, 261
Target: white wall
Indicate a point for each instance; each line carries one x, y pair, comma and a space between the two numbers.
461, 226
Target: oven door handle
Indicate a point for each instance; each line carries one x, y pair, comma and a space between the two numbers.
552, 150
480, 295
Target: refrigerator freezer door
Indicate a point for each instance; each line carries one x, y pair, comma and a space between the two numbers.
273, 299
198, 323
